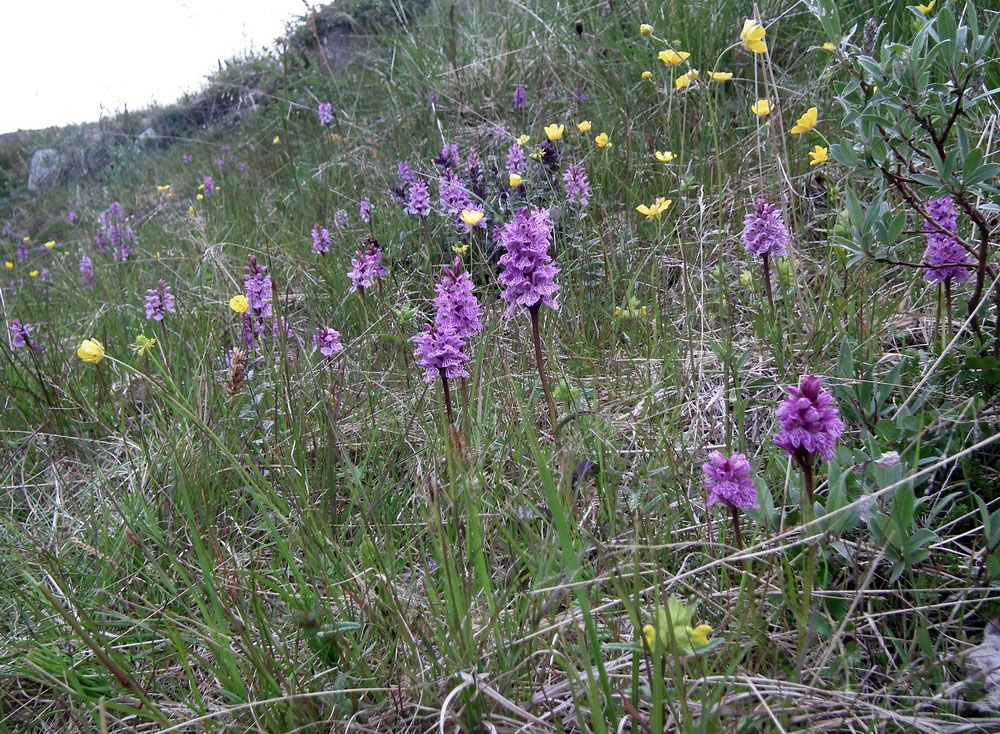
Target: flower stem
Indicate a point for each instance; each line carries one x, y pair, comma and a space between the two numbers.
737, 535
540, 364
767, 281
447, 399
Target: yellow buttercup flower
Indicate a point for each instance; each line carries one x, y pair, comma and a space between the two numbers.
9, 265
829, 46
699, 635
515, 180
584, 126
163, 189
33, 274
277, 140
654, 210
239, 303
201, 187
50, 244
805, 123
673, 58
818, 155
602, 140
925, 9
200, 197
664, 156
647, 75
761, 108
720, 76
752, 36
523, 140
471, 217
91, 351
25, 239
648, 631
646, 30
554, 132
191, 210
684, 80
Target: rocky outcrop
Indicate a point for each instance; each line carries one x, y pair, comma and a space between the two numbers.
46, 169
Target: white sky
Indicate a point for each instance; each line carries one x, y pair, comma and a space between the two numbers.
62, 60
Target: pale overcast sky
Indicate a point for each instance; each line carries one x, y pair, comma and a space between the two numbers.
65, 60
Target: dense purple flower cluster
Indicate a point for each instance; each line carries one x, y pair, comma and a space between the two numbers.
728, 481
159, 301
476, 182
20, 336
321, 240
186, 158
808, 422
404, 172
327, 341
242, 165
366, 267
340, 219
115, 232
257, 285
453, 196
439, 352
21, 252
365, 210
945, 254
520, 97
577, 185
457, 307
764, 231
86, 271
516, 160
418, 198
325, 113
207, 185
528, 273
448, 157
220, 164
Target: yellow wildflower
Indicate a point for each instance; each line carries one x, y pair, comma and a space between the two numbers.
752, 36
584, 126
805, 123
925, 9
9, 265
684, 80
91, 351
720, 76
818, 155
460, 249
277, 140
829, 46
239, 303
602, 140
647, 75
699, 635
33, 274
646, 30
143, 344
746, 277
664, 156
654, 210
163, 189
191, 210
648, 631
515, 180
157, 255
25, 239
523, 140
201, 187
471, 217
761, 108
200, 197
673, 58
50, 244
554, 131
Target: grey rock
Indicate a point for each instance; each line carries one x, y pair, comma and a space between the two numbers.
46, 168
147, 136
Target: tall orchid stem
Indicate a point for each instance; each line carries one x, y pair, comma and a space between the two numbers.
947, 302
447, 399
737, 535
540, 364
767, 281
808, 577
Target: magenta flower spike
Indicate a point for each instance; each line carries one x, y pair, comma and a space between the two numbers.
457, 307
159, 301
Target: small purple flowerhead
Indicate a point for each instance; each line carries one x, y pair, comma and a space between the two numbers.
520, 97
528, 273
21, 253
71, 216
439, 352
764, 231
945, 254
365, 210
453, 196
808, 422
321, 240
225, 149
729, 481
516, 159
432, 99
327, 341
448, 157
220, 164
186, 158
366, 268
20, 336
456, 303
242, 165
325, 113
340, 219
86, 271
577, 185
159, 301
418, 199
404, 172
257, 285
208, 185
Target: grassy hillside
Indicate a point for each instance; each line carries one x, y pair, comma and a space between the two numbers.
241, 527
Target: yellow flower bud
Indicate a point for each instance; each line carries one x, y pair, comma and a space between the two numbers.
91, 351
